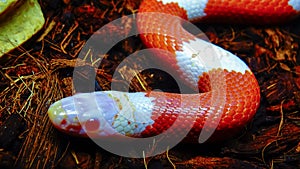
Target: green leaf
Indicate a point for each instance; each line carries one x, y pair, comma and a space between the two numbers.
18, 23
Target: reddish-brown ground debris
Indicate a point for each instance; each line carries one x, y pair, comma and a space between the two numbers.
40, 72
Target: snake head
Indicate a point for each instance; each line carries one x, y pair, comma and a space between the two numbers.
84, 114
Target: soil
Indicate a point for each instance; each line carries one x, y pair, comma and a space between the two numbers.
40, 72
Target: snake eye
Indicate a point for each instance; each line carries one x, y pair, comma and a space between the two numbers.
92, 125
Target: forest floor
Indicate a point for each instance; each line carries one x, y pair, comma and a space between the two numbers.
40, 72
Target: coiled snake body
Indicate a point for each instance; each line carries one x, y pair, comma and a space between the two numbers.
229, 95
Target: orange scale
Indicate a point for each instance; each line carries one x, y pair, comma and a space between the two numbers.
156, 124
157, 38
171, 48
148, 37
200, 122
238, 116
240, 108
223, 126
252, 97
227, 108
157, 44
146, 132
227, 119
248, 102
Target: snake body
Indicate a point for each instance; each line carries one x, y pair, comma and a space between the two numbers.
229, 96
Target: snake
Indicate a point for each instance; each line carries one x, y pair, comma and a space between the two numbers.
227, 94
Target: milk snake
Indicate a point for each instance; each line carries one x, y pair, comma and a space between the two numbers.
229, 92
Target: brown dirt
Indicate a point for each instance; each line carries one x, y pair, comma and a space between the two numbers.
39, 73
